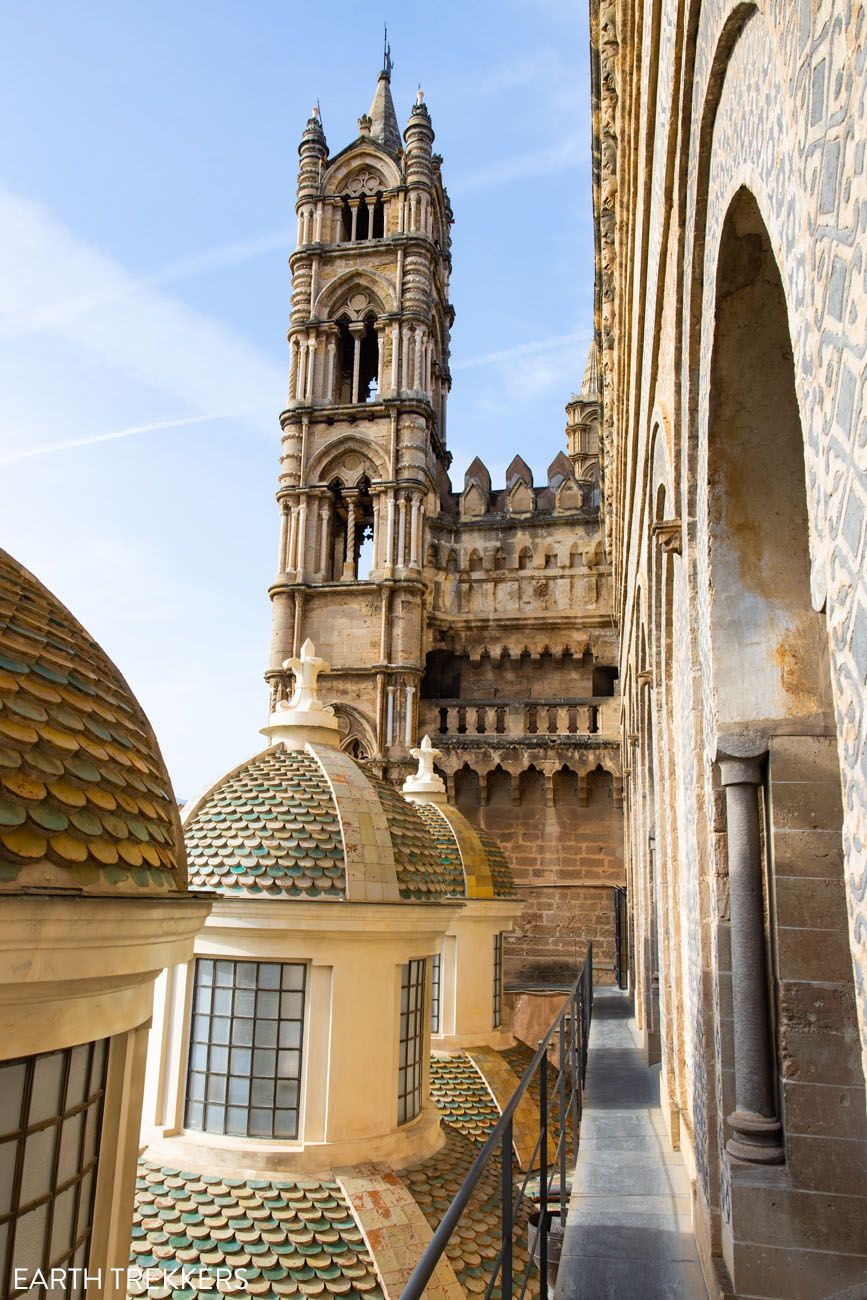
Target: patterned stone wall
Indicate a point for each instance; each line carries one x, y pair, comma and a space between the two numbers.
694, 103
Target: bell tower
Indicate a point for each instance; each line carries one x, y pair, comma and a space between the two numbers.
364, 456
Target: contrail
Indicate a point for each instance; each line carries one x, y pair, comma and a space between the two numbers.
108, 437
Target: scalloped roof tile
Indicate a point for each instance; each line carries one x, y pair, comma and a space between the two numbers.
462, 1096
289, 1237
86, 803
476, 865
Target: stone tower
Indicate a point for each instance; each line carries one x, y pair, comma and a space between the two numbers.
363, 452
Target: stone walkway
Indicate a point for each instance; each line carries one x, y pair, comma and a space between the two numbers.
628, 1231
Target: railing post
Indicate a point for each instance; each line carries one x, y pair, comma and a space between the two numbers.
543, 1176
508, 1191
576, 1077
564, 1127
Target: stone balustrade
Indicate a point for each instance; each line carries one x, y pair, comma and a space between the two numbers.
510, 719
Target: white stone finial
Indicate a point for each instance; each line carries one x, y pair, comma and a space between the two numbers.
419, 96
314, 112
304, 718
425, 786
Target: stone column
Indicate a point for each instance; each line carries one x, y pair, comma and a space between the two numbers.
419, 357
413, 534
311, 369
302, 369
293, 529
329, 374
377, 530
353, 204
407, 721
318, 228
389, 716
395, 359
371, 208
302, 532
323, 537
349, 561
405, 350
400, 559
357, 332
293, 369
757, 1132
389, 531
284, 537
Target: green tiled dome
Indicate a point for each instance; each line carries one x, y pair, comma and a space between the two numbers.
421, 869
501, 872
274, 827
85, 800
269, 828
447, 845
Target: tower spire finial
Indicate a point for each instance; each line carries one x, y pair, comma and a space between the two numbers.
387, 64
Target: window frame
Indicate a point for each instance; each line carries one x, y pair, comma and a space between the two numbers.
497, 999
436, 992
87, 1144
411, 1034
236, 1036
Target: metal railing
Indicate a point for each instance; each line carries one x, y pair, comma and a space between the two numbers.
568, 1036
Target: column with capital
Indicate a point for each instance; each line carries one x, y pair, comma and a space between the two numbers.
408, 718
377, 530
300, 380
302, 534
284, 537
389, 716
419, 356
395, 359
400, 559
356, 329
293, 529
349, 561
389, 529
353, 234
414, 559
331, 353
757, 1131
293, 369
406, 345
312, 344
324, 512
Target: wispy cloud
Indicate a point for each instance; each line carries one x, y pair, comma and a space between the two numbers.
27, 453
530, 348
51, 281
536, 162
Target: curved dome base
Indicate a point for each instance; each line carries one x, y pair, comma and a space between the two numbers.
211, 1152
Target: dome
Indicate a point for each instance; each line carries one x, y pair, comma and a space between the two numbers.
86, 804
475, 863
304, 820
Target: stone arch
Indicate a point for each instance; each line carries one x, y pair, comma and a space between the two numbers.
357, 736
363, 157
334, 297
499, 786
531, 787
566, 787
475, 563
468, 790
525, 557
330, 462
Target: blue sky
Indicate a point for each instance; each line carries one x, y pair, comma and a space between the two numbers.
147, 178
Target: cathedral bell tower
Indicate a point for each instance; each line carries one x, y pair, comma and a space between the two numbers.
364, 444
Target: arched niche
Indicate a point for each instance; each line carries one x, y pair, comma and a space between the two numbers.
770, 649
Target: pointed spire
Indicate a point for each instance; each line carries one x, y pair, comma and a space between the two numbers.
590, 382
383, 119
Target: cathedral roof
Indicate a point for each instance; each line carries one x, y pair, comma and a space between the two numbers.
86, 803
383, 119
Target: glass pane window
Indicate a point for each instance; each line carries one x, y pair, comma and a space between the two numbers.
50, 1126
238, 1083
435, 969
498, 980
412, 1013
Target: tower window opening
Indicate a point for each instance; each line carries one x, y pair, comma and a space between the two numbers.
378, 231
362, 224
368, 372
